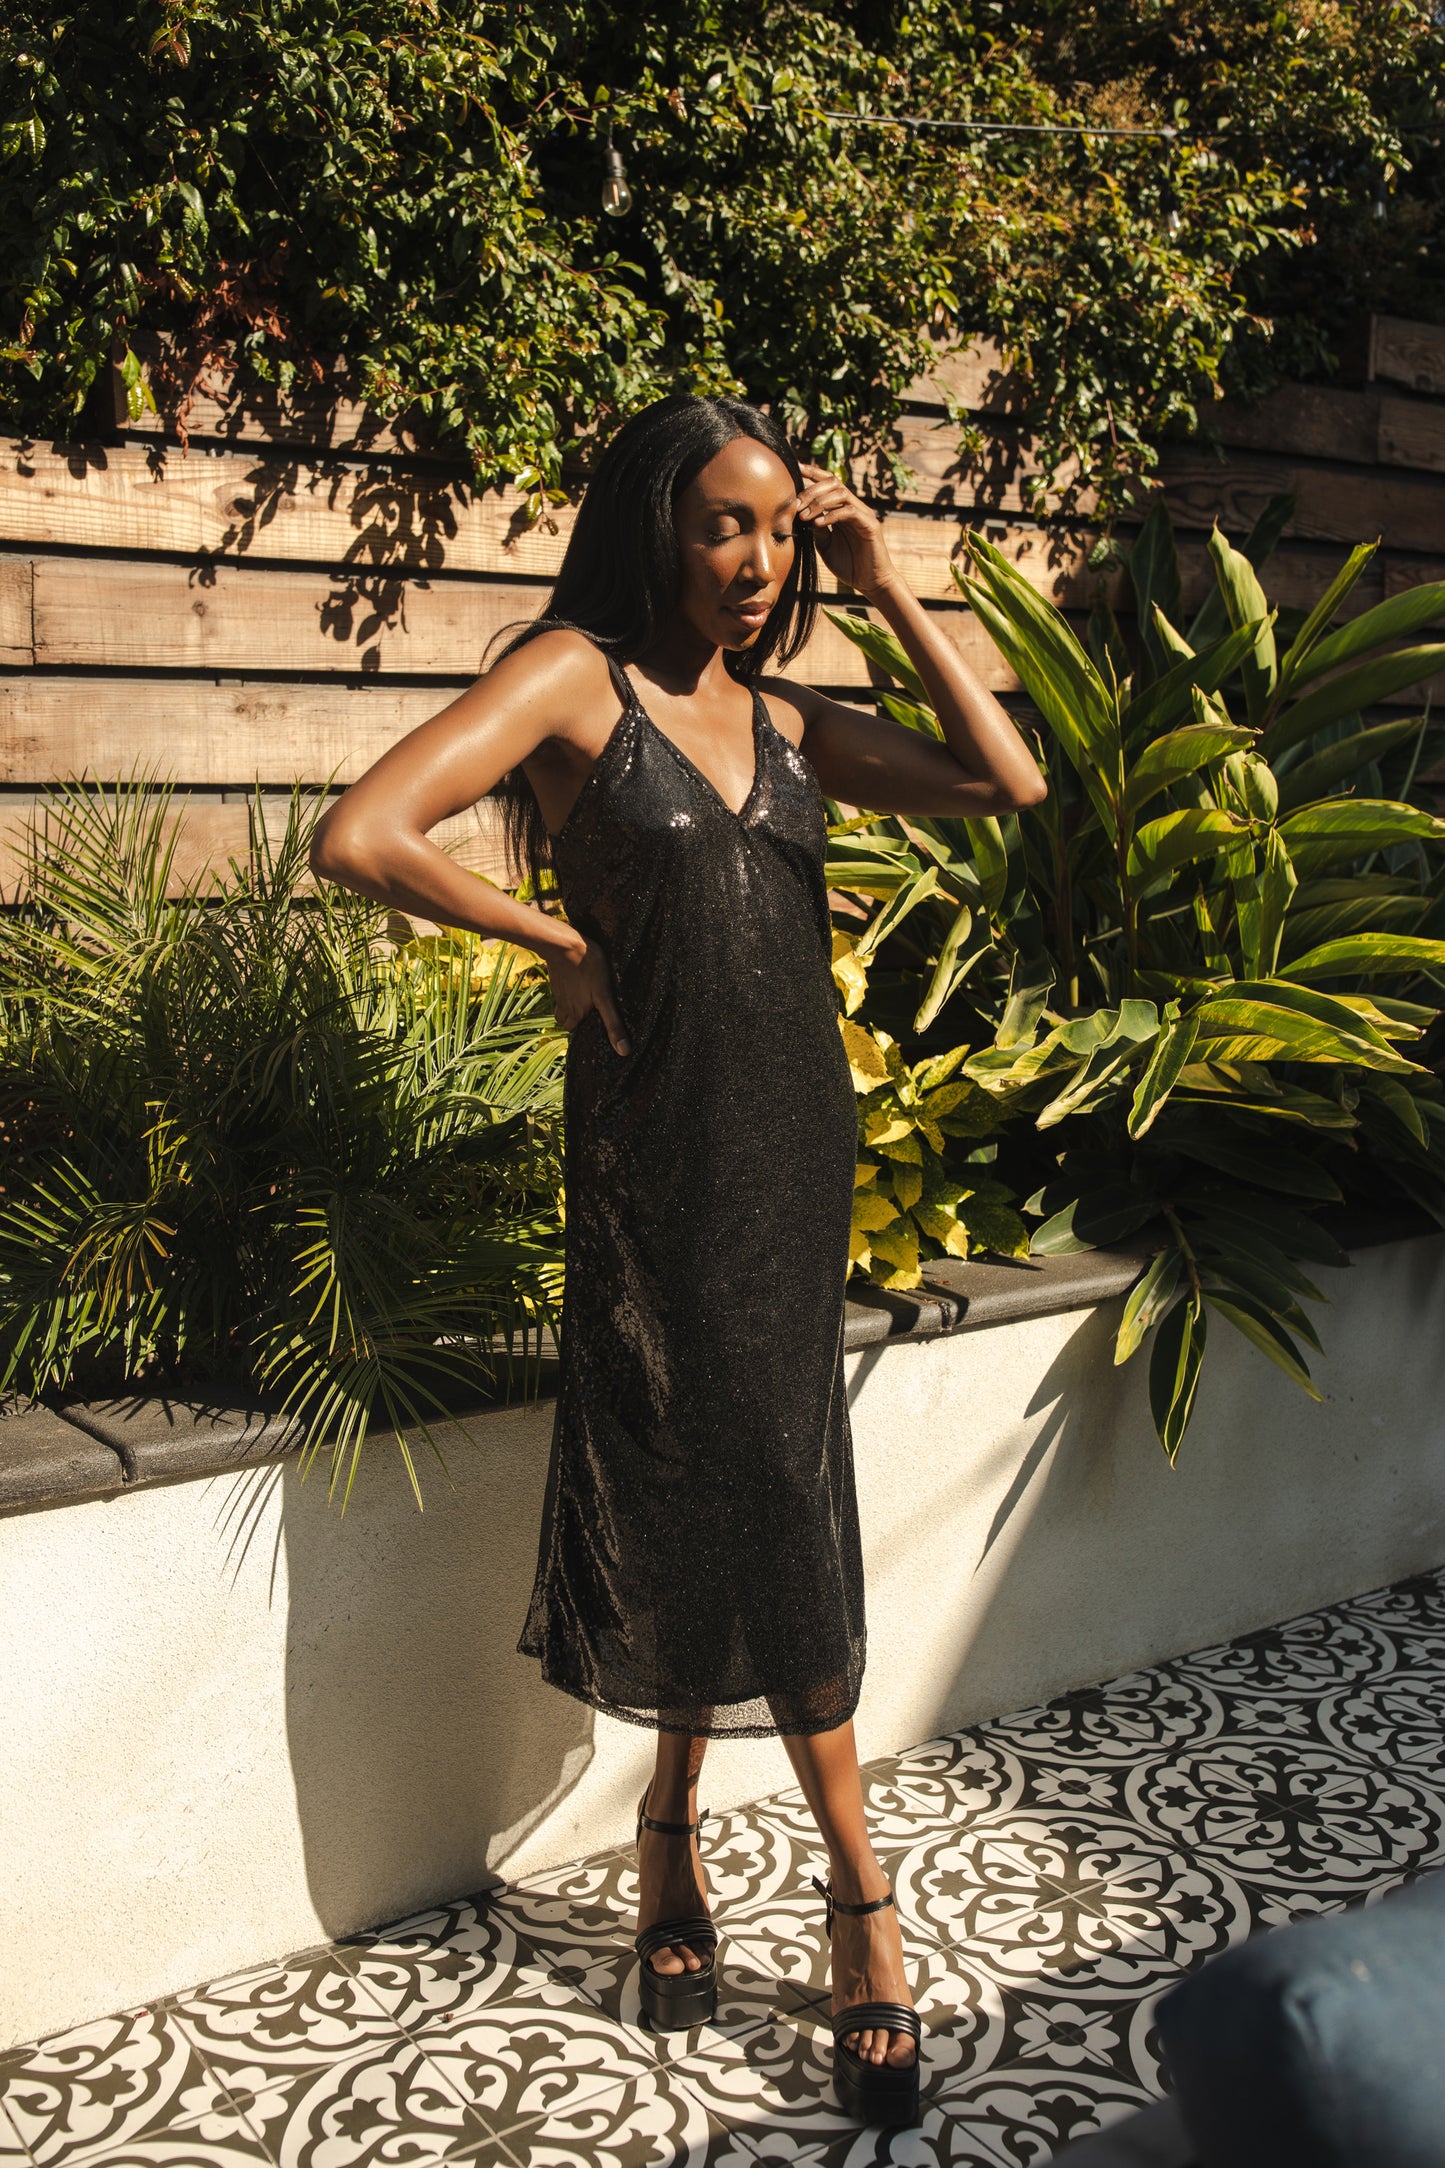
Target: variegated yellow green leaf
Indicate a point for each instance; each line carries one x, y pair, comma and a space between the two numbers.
870, 1211
907, 1184
867, 1060
850, 975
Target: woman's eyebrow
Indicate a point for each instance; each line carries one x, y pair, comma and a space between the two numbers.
732, 508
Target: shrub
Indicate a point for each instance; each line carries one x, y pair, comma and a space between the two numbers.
251, 1143
1209, 964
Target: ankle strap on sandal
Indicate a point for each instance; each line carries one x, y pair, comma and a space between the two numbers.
668, 1829
852, 1912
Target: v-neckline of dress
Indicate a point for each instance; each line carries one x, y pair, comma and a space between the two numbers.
736, 813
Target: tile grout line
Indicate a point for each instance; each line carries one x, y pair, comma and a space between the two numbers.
9, 2123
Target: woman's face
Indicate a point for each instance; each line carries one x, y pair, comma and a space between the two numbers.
734, 525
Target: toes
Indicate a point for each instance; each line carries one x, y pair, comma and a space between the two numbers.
903, 2054
666, 1961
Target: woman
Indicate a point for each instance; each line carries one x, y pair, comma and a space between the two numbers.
699, 1566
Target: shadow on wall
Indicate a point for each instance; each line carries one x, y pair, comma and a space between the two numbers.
1085, 1555
422, 1746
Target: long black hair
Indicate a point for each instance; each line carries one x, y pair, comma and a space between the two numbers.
621, 575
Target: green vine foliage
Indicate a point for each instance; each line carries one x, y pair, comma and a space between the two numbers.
416, 184
1202, 981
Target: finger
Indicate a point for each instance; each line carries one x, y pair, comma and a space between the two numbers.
612, 1024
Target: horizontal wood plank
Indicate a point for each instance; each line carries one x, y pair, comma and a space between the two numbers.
1316, 421
197, 730
101, 612
1408, 353
1412, 434
1408, 509
17, 632
230, 505
209, 834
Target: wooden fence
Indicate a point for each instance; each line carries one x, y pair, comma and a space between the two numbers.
281, 597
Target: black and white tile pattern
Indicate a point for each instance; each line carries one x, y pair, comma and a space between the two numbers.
1055, 1872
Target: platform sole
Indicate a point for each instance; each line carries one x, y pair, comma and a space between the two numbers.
676, 2001
872, 2093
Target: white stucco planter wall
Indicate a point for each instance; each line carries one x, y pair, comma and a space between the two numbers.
235, 1724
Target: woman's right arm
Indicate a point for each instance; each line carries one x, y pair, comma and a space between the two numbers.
375, 838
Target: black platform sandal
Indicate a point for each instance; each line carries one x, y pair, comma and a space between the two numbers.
674, 2000
872, 2092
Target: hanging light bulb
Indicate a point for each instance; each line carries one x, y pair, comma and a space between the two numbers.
616, 195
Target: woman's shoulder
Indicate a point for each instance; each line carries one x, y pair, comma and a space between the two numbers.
790, 706
558, 668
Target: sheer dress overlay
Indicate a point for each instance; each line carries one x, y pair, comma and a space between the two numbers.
699, 1565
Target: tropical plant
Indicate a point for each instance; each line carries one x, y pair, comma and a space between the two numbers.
250, 1141
1209, 961
921, 1185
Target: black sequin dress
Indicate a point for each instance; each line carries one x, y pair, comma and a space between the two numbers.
699, 1565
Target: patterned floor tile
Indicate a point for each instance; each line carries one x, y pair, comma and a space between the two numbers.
1033, 1887
1288, 1815
1055, 1872
322, 2073
114, 2083
651, 2121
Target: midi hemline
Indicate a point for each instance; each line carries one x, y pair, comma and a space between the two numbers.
645, 1722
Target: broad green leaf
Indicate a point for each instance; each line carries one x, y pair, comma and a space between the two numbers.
1245, 600
1137, 1026
1267, 1164
881, 649
1172, 1051
1352, 826
1402, 1103
1276, 1280
1267, 1334
1162, 846
1368, 955
1236, 1031
1243, 1276
1365, 686
1277, 884
1265, 533
912, 714
906, 899
1324, 772
1179, 753
1266, 1223
1325, 611
969, 937
990, 858
1148, 1300
1394, 619
1174, 1366
1025, 1004
1168, 698
1088, 1221
1154, 576
1067, 692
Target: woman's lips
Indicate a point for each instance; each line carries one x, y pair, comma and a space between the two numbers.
752, 613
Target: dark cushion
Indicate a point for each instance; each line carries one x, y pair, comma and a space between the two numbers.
1321, 2045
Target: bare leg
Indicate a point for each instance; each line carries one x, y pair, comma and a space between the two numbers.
867, 1953
669, 1872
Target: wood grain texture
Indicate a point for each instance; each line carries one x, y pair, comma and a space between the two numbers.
1313, 420
216, 504
17, 633
195, 730
1408, 509
103, 612
1408, 353
1412, 434
209, 834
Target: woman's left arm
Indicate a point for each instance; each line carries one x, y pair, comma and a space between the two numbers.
983, 765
